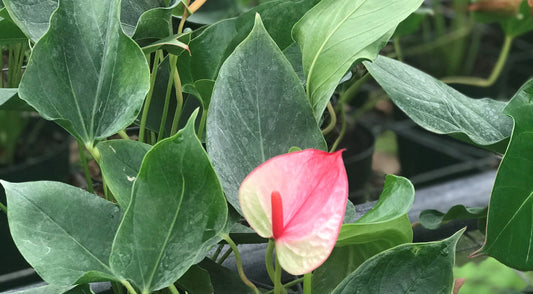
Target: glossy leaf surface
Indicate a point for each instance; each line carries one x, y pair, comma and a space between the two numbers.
95, 92
409, 268
177, 209
6, 94
154, 23
336, 33
386, 225
258, 110
64, 248
120, 163
441, 109
33, 16
509, 236
313, 189
212, 46
433, 219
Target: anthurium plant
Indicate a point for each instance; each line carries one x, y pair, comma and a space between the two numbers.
230, 149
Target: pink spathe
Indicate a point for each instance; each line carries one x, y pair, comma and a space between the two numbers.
310, 188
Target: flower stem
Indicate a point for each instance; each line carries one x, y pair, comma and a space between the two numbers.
496, 71
179, 102
83, 161
307, 283
172, 60
332, 121
173, 289
289, 284
268, 259
343, 129
128, 286
238, 262
278, 287
123, 135
148, 99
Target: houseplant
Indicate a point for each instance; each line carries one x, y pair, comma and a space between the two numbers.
262, 89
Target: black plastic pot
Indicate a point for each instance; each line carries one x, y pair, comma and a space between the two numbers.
54, 165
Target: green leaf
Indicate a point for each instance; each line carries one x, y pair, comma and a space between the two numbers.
224, 280
439, 108
386, 225
213, 45
9, 32
509, 236
154, 23
258, 110
6, 94
65, 233
294, 56
409, 268
176, 211
196, 281
336, 33
175, 44
53, 289
92, 93
433, 219
120, 163
33, 16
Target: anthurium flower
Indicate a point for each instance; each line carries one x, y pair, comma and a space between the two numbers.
298, 199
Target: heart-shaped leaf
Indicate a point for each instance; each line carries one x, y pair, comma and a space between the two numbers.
509, 236
64, 248
95, 92
386, 225
258, 110
336, 33
174, 214
120, 163
441, 109
409, 268
299, 199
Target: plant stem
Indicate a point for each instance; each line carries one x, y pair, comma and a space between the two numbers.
173, 289
277, 278
217, 252
201, 127
287, 285
172, 60
128, 286
332, 121
307, 283
148, 99
268, 259
83, 160
179, 104
343, 129
496, 71
123, 135
348, 95
238, 262
3, 207
184, 17
224, 256
398, 48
